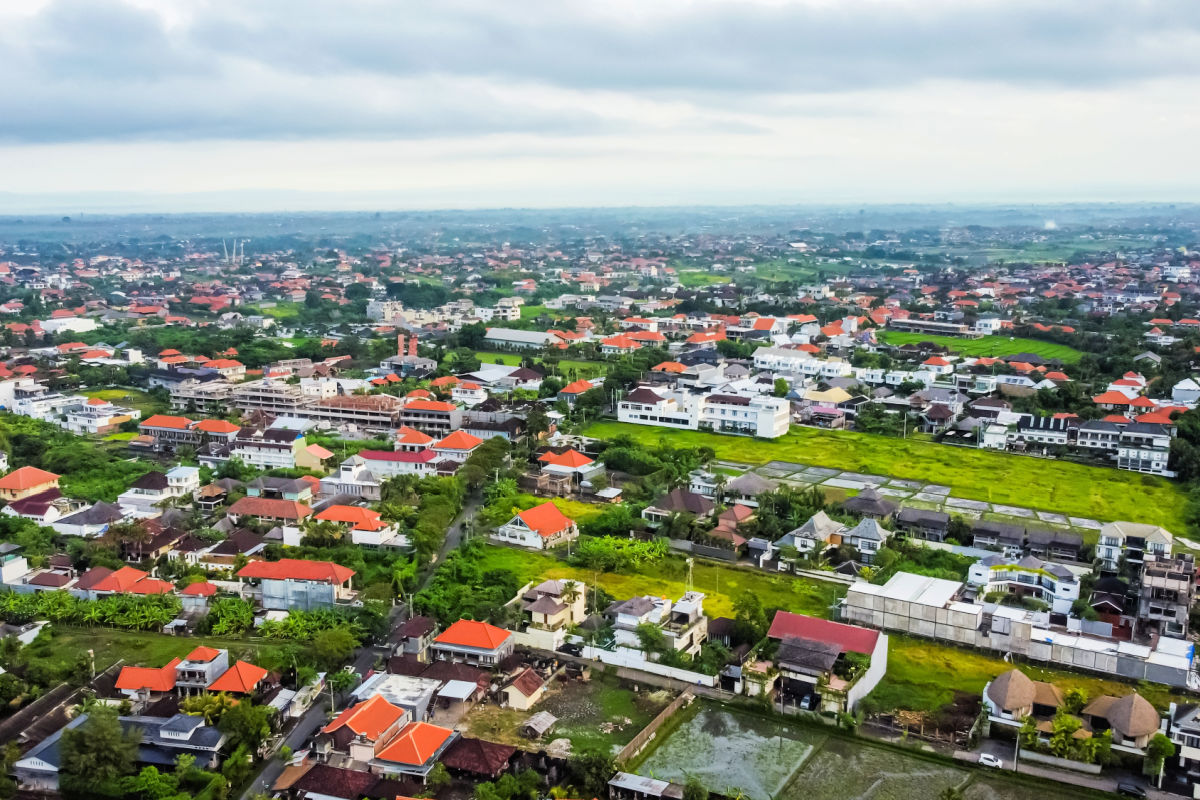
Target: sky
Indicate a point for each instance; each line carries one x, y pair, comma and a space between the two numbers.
294, 104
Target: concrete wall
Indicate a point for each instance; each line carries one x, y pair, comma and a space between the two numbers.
1060, 763
871, 678
646, 734
635, 659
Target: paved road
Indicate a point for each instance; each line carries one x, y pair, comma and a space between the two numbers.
454, 536
1104, 783
305, 727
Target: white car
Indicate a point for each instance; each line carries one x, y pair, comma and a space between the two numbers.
989, 760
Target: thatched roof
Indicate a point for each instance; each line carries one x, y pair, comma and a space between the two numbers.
1012, 691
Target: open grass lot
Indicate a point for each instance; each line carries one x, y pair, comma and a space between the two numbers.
1074, 489
847, 770
140, 648
278, 311
923, 676
130, 398
719, 583
986, 345
693, 278
599, 715
577, 369
728, 749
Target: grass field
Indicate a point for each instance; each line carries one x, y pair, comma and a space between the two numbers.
277, 311
720, 584
843, 770
986, 345
1073, 489
693, 278
598, 715
923, 676
578, 369
139, 648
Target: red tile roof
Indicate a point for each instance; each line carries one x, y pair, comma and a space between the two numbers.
166, 421
297, 570
469, 633
270, 507
27, 478
459, 440
363, 519
241, 678
849, 637
203, 654
154, 679
370, 718
416, 743
568, 458
200, 589
578, 387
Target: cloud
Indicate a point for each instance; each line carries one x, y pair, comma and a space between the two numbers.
87, 70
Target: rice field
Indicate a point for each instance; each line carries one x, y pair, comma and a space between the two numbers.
986, 345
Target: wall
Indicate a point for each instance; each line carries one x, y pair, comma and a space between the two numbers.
1060, 763
634, 659
871, 678
646, 734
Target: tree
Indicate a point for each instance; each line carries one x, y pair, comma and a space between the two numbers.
750, 619
589, 771
246, 724
781, 387
1158, 750
1075, 700
333, 647
438, 777
150, 784
98, 751
536, 421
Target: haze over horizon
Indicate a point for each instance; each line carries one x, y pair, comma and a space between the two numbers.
133, 105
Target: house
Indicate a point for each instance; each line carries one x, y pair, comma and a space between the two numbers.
128, 580
25, 481
747, 487
997, 534
458, 446
540, 527
1013, 695
169, 433
366, 527
678, 501
154, 489
89, 522
414, 637
550, 608
478, 758
682, 623
1053, 543
816, 535
362, 730
267, 509
472, 642
524, 691
838, 663
866, 537
1131, 541
571, 463
302, 585
932, 525
1131, 719
1166, 593
1053, 584
871, 504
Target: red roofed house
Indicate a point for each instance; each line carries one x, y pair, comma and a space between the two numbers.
242, 678
570, 462
26, 481
303, 585
128, 580
169, 432
823, 659
618, 345
361, 731
270, 509
367, 528
540, 527
458, 446
471, 642
572, 391
143, 683
415, 750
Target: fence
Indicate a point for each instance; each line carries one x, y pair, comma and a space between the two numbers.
1060, 763
646, 734
634, 659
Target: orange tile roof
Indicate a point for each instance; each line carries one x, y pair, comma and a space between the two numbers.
363, 519
203, 654
155, 679
166, 421
568, 458
578, 387
429, 405
270, 507
216, 426
370, 718
669, 366
1112, 397
407, 435
416, 744
200, 589
459, 440
546, 519
26, 478
297, 570
469, 633
240, 678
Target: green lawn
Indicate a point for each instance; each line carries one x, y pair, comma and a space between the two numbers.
138, 648
923, 676
1074, 489
578, 369
987, 345
278, 311
530, 312
131, 398
507, 359
720, 584
694, 278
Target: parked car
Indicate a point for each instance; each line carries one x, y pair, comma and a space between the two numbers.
571, 649
1130, 790
808, 702
989, 760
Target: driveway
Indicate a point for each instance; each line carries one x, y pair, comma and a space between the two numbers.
305, 727
1104, 783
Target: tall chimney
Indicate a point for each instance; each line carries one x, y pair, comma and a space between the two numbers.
412, 347
400, 345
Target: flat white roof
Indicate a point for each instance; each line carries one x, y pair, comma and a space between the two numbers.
914, 588
457, 690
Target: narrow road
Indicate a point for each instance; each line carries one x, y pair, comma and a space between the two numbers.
305, 727
454, 536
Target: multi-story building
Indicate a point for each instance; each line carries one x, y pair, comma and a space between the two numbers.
1168, 589
169, 433
1131, 541
1053, 584
197, 396
301, 585
1145, 447
370, 412
274, 397
762, 416
433, 417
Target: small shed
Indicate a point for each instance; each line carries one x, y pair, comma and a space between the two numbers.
538, 725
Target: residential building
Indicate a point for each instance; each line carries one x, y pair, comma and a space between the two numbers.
1131, 541
25, 481
1053, 584
820, 658
541, 527
1166, 593
472, 642
267, 509
169, 433
761, 415
290, 584
1145, 447
682, 623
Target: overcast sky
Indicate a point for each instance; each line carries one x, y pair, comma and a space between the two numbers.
466, 103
